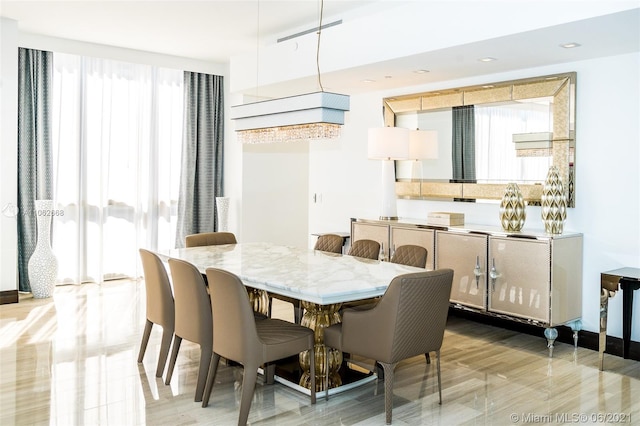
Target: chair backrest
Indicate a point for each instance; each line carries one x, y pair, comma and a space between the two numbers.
193, 307
210, 239
410, 255
160, 304
236, 336
330, 243
410, 318
368, 249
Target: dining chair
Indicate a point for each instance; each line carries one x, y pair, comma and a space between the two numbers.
160, 306
193, 318
239, 337
408, 321
210, 239
410, 255
331, 243
368, 249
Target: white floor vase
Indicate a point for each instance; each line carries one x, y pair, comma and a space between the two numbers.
43, 265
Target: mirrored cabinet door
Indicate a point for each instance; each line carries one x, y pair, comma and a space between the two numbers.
466, 254
414, 236
519, 272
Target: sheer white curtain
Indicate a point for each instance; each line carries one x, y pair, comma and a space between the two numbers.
495, 152
117, 134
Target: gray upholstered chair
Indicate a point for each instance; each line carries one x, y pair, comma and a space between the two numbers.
331, 243
193, 318
160, 306
408, 321
410, 255
368, 249
239, 337
210, 239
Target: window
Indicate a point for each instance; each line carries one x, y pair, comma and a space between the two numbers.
117, 137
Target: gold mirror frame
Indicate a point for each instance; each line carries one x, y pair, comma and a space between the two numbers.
562, 87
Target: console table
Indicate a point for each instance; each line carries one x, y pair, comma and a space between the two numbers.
627, 280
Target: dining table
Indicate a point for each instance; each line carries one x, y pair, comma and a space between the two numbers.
321, 281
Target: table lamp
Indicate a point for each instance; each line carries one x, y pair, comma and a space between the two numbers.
388, 144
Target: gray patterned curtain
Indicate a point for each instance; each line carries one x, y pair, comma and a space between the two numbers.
202, 151
35, 165
464, 143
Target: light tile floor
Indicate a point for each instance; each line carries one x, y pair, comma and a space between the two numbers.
71, 360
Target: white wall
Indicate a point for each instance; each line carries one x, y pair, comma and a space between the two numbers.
8, 151
607, 208
275, 191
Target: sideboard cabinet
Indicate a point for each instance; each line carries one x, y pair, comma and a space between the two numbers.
530, 277
392, 234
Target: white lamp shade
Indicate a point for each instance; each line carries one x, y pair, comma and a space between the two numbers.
423, 144
388, 143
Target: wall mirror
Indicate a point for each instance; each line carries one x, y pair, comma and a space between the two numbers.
487, 136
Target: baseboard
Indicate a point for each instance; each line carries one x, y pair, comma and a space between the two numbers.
8, 296
586, 339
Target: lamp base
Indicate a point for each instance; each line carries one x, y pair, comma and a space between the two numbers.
389, 210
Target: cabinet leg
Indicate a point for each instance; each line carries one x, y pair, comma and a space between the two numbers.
551, 334
576, 326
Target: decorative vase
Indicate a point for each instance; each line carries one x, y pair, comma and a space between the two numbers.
222, 207
43, 265
512, 208
554, 202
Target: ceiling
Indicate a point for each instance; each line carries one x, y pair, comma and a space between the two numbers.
190, 28
185, 28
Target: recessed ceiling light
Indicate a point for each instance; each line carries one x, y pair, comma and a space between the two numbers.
421, 71
368, 81
487, 59
570, 45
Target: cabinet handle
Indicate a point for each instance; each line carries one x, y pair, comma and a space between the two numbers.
477, 271
493, 274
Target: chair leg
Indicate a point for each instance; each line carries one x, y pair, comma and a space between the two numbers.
167, 336
312, 372
205, 360
297, 312
174, 356
248, 388
439, 380
388, 389
270, 306
145, 339
213, 369
427, 357
270, 373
